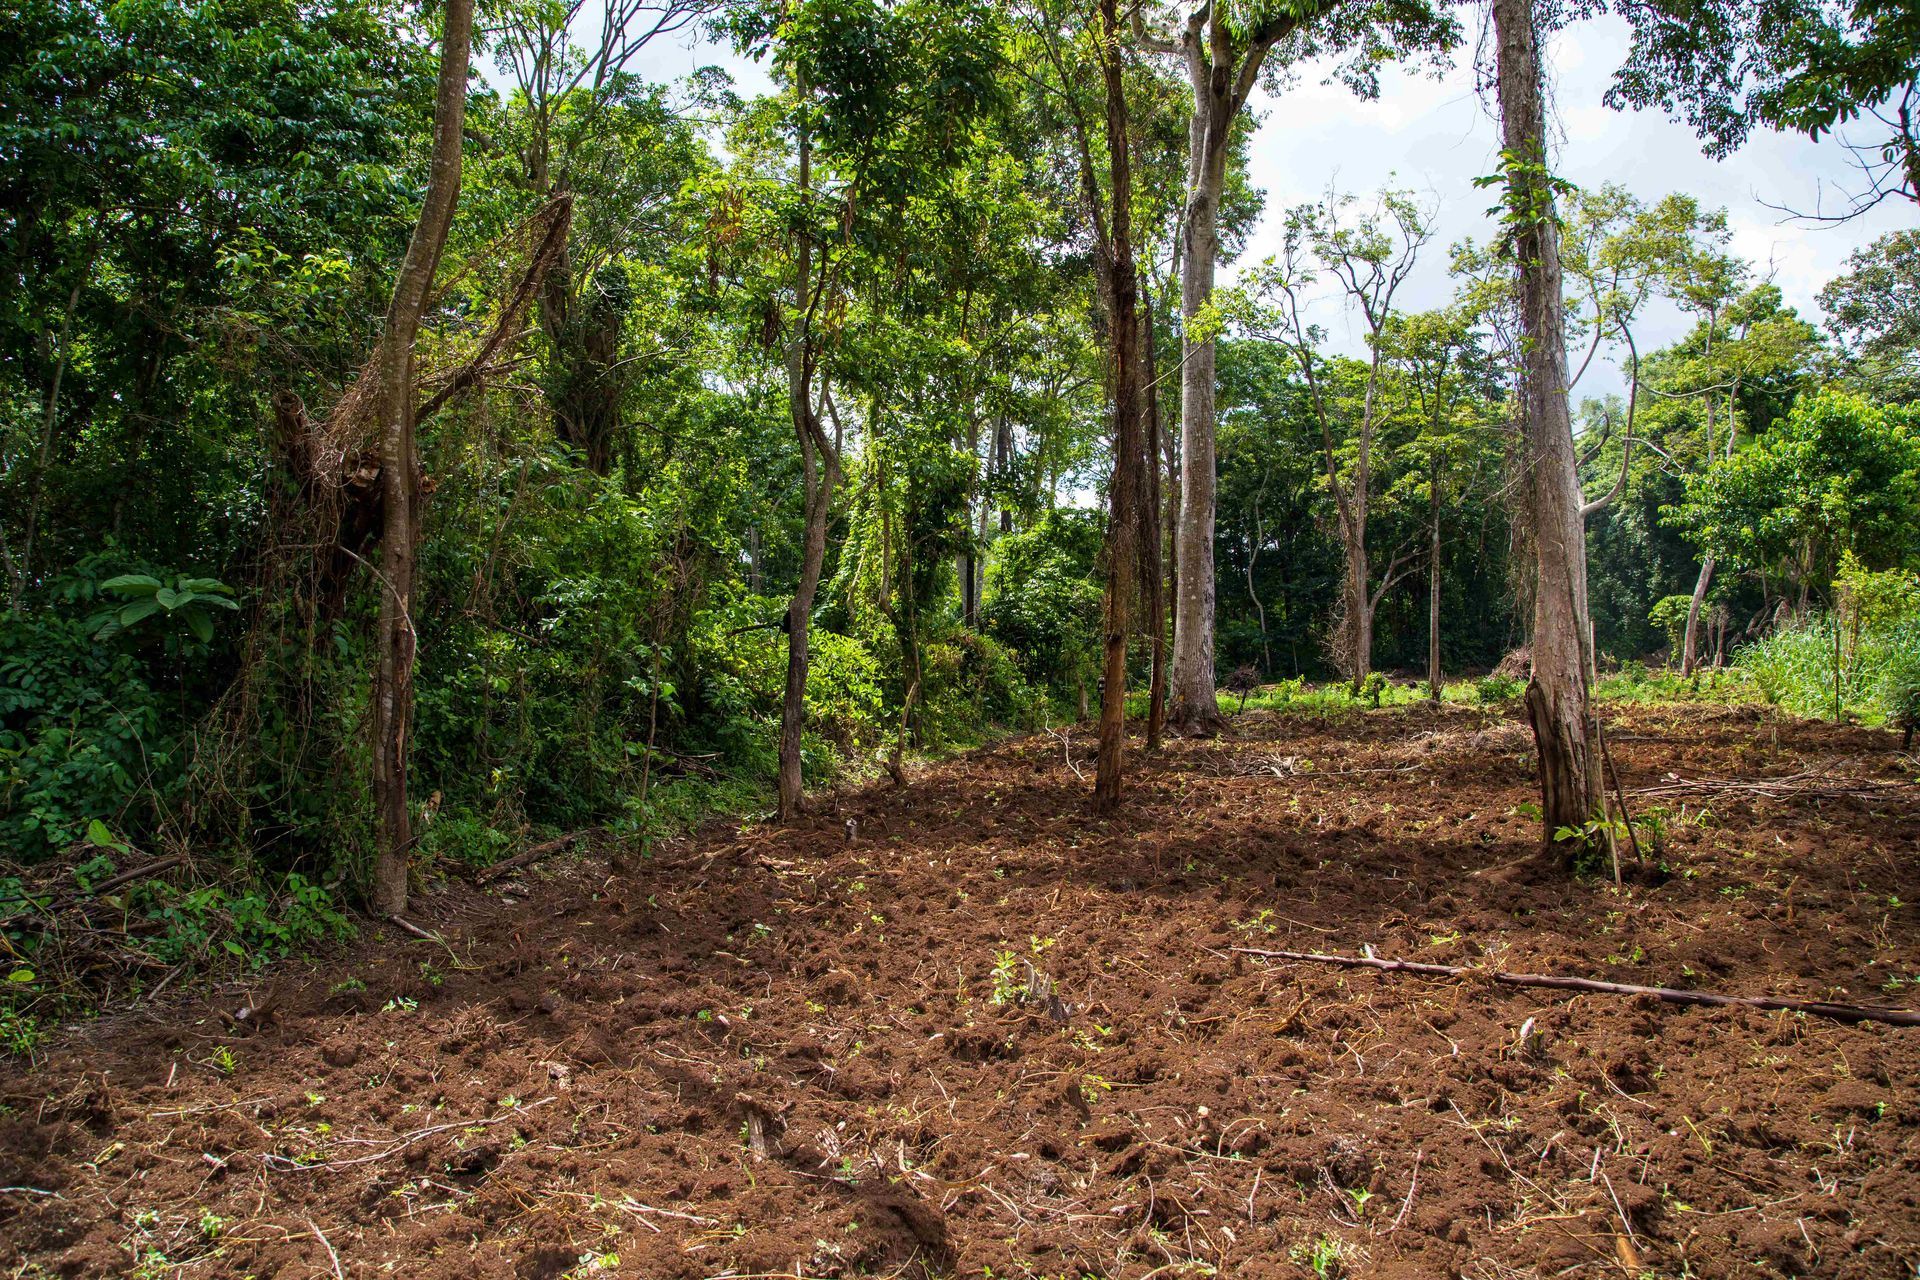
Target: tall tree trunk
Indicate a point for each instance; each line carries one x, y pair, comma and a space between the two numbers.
399, 465
1222, 65
1433, 580
1150, 518
1125, 492
820, 467
1690, 647
1558, 698
1195, 707
1003, 467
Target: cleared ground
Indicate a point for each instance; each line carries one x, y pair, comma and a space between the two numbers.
991, 1035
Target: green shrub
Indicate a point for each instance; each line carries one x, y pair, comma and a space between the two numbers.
1669, 613
1899, 690
83, 736
1496, 688
1044, 597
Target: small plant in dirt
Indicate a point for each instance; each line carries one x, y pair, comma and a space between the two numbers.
222, 1059
1007, 987
1653, 828
1327, 1256
212, 1225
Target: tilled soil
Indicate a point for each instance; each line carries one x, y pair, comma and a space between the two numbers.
985, 1033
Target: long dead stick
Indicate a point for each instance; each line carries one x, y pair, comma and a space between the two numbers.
527, 856
1672, 995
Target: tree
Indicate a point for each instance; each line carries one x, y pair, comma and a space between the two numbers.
1874, 309
1801, 66
1369, 255
1559, 694
1099, 129
400, 466
582, 120
1836, 477
878, 99
1445, 374
1225, 47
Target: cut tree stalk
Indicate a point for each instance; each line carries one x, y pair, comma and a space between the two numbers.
1670, 995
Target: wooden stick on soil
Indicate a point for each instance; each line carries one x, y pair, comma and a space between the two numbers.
526, 856
1671, 995
1620, 793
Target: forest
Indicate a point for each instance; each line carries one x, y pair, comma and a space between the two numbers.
814, 638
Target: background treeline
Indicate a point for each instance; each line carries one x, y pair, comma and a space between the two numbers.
202, 209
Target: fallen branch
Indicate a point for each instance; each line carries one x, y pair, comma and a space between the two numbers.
1809, 785
528, 856
407, 926
138, 873
1671, 995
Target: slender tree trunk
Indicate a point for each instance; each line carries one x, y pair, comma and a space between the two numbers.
1128, 485
1150, 525
818, 474
1002, 468
969, 559
1558, 698
1434, 680
1359, 608
1194, 704
399, 464
1689, 661
1690, 647
49, 427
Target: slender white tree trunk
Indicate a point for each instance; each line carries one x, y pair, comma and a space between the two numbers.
1193, 705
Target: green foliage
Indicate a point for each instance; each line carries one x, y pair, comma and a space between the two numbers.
1899, 685
84, 735
1494, 689
188, 602
1669, 613
1043, 600
1836, 476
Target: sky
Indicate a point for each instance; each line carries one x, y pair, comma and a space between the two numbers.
1433, 136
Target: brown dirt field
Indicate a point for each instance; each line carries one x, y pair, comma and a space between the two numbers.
775, 1052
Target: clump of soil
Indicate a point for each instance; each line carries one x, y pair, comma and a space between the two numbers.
993, 1031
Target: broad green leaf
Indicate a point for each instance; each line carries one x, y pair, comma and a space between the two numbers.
137, 610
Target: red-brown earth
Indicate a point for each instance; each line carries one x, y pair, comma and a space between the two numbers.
778, 1052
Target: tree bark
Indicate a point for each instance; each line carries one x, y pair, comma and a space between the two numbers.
1194, 705
400, 479
1690, 649
1150, 525
1433, 580
1121, 289
820, 468
1558, 697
